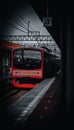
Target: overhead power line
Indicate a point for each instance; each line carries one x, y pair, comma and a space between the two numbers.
16, 27
24, 20
18, 22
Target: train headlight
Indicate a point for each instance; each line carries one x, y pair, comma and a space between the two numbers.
17, 80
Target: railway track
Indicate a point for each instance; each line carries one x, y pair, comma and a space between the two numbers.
8, 95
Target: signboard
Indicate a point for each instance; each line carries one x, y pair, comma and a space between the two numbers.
27, 73
47, 21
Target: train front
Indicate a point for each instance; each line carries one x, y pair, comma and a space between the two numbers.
27, 68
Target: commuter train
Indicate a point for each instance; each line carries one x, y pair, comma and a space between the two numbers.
25, 67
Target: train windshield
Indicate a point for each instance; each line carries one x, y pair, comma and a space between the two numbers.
32, 54
27, 59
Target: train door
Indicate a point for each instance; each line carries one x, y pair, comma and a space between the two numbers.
48, 68
5, 63
45, 65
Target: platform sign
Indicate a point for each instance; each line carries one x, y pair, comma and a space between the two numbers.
47, 21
